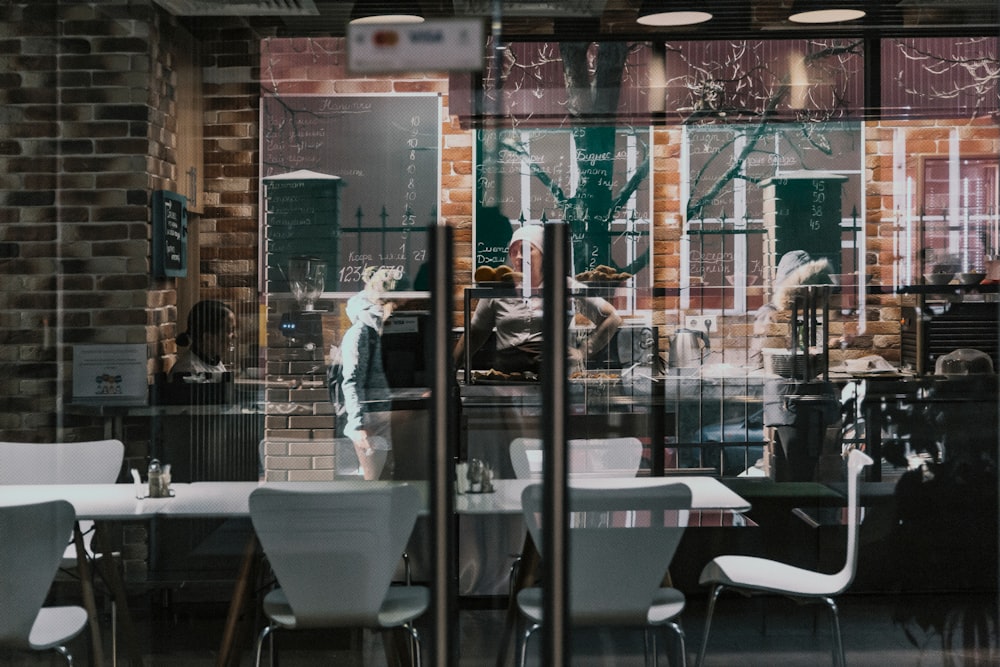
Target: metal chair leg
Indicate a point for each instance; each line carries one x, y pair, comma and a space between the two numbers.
524, 643
61, 650
838, 642
712, 597
266, 633
681, 647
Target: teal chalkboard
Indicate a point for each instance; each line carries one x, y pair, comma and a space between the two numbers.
385, 153
803, 212
169, 234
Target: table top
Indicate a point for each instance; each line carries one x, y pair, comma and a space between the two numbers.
91, 501
231, 499
707, 493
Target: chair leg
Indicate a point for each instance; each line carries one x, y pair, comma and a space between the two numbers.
649, 646
838, 642
681, 647
61, 650
524, 643
414, 644
712, 597
266, 633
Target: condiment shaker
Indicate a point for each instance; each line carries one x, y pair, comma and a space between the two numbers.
155, 481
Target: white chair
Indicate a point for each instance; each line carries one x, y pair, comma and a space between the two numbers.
32, 540
612, 457
88, 462
621, 545
750, 575
334, 554
85, 462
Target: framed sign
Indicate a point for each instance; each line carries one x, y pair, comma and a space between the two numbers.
169, 234
110, 374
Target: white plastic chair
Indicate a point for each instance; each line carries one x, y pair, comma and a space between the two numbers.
86, 462
32, 540
617, 457
334, 554
750, 575
89, 462
621, 545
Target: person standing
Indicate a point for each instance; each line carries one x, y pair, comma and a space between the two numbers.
365, 387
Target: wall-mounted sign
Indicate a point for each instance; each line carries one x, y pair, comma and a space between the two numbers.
110, 374
445, 44
169, 234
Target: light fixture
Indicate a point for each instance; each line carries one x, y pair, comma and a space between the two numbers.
672, 13
815, 11
379, 11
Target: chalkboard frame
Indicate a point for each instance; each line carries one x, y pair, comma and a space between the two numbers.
169, 240
378, 144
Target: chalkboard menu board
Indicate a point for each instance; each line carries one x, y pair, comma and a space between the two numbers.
383, 151
302, 211
573, 175
169, 234
802, 210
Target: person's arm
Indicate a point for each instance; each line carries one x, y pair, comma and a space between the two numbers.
478, 332
606, 321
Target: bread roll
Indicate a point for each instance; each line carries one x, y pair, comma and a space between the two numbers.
485, 274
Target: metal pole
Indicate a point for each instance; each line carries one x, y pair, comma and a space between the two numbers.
442, 452
555, 397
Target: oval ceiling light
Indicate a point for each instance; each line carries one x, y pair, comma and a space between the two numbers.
376, 11
813, 11
672, 13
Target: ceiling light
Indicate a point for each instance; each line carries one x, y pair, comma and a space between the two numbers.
378, 11
815, 11
672, 13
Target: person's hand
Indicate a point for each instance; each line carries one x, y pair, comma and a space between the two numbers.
576, 359
361, 444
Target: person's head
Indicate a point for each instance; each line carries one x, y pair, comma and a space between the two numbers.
525, 252
211, 330
379, 281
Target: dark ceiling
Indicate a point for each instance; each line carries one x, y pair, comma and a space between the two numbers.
588, 20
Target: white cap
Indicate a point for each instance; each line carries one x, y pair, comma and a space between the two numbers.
533, 234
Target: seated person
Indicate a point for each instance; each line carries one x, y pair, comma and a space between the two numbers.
518, 320
210, 335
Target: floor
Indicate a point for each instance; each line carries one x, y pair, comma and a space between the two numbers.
928, 631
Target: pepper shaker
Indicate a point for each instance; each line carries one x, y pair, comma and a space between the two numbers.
155, 478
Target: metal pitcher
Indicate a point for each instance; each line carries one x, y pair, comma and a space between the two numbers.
688, 347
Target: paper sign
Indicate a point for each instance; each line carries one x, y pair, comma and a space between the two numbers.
445, 44
110, 374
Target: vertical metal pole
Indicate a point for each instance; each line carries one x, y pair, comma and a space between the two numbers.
442, 454
555, 397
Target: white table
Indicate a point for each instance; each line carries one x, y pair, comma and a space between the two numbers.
118, 502
707, 493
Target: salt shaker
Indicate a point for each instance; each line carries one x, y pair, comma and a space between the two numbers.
155, 475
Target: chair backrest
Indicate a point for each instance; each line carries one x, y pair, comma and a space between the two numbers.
91, 462
334, 553
856, 461
32, 541
618, 457
621, 543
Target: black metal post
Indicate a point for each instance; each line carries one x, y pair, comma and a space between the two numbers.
442, 453
555, 398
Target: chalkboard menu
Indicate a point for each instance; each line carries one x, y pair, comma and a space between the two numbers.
574, 175
384, 154
169, 234
802, 211
302, 211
